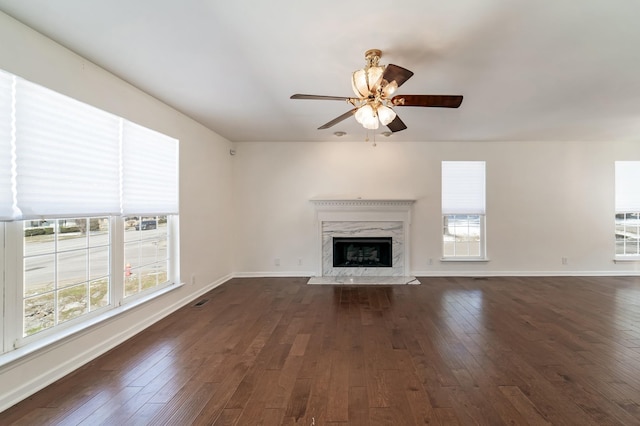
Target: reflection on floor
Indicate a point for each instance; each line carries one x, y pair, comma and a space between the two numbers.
351, 280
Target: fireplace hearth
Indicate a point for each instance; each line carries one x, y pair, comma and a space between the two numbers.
362, 252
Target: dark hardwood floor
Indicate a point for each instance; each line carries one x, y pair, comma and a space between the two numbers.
539, 351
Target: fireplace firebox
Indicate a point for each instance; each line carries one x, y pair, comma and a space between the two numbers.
362, 252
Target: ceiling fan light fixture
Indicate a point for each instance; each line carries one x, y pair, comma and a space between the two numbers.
371, 124
362, 113
366, 81
367, 116
375, 87
389, 89
386, 114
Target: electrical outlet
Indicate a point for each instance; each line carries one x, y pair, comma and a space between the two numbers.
276, 261
193, 279
430, 261
299, 261
565, 261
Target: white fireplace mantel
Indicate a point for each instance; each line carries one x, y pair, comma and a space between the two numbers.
361, 203
332, 211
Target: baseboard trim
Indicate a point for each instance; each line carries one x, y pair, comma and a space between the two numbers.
283, 274
525, 273
57, 372
298, 274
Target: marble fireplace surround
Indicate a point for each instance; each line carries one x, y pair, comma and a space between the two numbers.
363, 218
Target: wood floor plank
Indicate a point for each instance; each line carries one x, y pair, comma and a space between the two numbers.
254, 410
111, 406
318, 397
224, 391
297, 405
338, 392
447, 416
455, 350
87, 407
281, 390
228, 417
524, 406
299, 345
144, 414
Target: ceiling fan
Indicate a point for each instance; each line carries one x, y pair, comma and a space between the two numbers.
374, 86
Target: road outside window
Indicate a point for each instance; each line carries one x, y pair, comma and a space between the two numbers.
66, 270
146, 257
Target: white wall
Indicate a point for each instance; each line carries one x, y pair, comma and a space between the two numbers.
205, 198
545, 201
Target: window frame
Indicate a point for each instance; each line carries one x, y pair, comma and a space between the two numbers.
482, 243
627, 201
480, 211
624, 256
3, 286
14, 337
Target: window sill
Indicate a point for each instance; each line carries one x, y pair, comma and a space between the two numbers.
50, 341
626, 260
464, 259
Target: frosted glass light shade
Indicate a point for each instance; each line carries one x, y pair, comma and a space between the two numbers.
386, 114
366, 81
390, 89
367, 117
371, 123
364, 113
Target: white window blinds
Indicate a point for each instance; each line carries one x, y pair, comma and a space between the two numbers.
463, 187
627, 186
67, 155
150, 172
6, 143
62, 158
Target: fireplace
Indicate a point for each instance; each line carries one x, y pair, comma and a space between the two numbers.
362, 252
378, 227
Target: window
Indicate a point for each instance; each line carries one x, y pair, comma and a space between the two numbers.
627, 203
89, 203
66, 270
145, 253
463, 210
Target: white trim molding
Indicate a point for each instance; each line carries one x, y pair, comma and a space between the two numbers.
359, 204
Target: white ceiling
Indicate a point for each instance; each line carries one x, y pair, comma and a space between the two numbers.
528, 70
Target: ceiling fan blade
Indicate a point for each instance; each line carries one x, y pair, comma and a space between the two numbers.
320, 97
441, 101
338, 119
396, 125
399, 74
